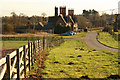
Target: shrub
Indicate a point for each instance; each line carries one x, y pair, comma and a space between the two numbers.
107, 29
7, 28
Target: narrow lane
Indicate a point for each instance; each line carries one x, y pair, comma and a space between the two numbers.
93, 43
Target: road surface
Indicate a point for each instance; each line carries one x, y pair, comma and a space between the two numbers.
93, 43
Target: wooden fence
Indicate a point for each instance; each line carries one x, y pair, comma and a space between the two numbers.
115, 36
16, 64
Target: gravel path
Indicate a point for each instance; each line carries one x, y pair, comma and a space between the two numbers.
93, 43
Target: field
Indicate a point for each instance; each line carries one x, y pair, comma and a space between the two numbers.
9, 46
78, 35
37, 34
76, 60
107, 39
13, 43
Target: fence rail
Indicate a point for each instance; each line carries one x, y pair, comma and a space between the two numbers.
16, 64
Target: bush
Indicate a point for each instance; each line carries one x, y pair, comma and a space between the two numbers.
8, 28
107, 29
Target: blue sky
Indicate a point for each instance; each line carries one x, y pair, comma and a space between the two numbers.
37, 7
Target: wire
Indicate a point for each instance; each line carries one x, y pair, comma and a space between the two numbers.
104, 11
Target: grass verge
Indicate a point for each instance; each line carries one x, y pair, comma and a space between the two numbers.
107, 39
74, 59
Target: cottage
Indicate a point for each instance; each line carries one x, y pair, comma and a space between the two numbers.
62, 20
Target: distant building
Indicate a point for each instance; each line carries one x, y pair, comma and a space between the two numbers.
40, 26
119, 7
62, 19
117, 22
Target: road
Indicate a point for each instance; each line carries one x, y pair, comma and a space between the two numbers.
93, 43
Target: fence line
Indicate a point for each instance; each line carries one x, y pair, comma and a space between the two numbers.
115, 36
16, 64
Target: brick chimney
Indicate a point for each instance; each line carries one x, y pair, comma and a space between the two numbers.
71, 13
63, 11
60, 10
56, 11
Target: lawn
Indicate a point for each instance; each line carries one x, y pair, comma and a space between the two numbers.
73, 59
13, 43
107, 39
117, 32
78, 35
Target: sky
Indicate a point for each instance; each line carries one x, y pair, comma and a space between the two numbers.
37, 7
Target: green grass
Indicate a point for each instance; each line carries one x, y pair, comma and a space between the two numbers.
94, 63
13, 43
117, 32
78, 35
107, 39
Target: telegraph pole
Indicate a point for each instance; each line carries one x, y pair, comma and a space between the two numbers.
116, 22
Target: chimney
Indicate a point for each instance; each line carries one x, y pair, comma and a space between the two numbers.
63, 11
60, 10
56, 11
71, 13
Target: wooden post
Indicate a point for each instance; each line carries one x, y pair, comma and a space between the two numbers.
18, 65
47, 43
24, 50
43, 42
34, 47
34, 50
38, 44
29, 55
8, 66
32, 53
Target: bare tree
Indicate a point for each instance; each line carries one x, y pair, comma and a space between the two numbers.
43, 14
14, 19
13, 14
83, 22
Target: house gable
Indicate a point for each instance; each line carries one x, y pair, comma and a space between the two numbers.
60, 21
71, 20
